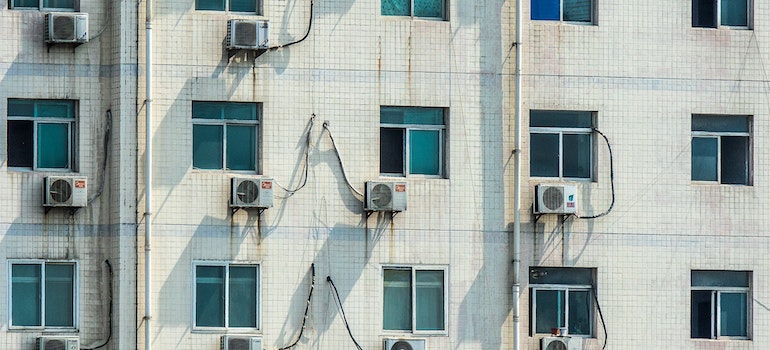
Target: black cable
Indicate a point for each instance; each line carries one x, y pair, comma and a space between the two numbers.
106, 140
612, 180
342, 311
339, 158
109, 334
307, 33
307, 307
306, 161
601, 317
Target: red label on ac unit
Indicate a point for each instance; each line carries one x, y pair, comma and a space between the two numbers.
80, 184
266, 185
401, 188
570, 204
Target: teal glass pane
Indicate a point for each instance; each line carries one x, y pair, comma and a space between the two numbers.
26, 292
395, 7
54, 109
562, 119
576, 155
549, 310
241, 147
59, 295
243, 297
735, 13
733, 314
209, 296
397, 300
241, 111
207, 110
207, 146
412, 115
22, 108
719, 278
424, 152
720, 123
429, 8
59, 4
216, 5
243, 6
704, 158
544, 155
580, 306
429, 300
577, 10
52, 145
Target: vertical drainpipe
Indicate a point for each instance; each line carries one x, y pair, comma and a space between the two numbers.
517, 185
148, 176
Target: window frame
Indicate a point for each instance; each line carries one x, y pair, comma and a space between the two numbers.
224, 123
226, 265
41, 7
718, 135
566, 288
561, 19
444, 11
70, 122
413, 301
258, 10
715, 307
43, 263
406, 148
561, 131
718, 16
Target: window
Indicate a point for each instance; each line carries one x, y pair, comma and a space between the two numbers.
43, 294
43, 4
720, 304
413, 299
561, 144
562, 297
562, 10
41, 134
250, 6
716, 13
412, 141
721, 149
225, 135
435, 9
226, 296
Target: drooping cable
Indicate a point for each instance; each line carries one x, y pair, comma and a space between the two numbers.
339, 158
109, 334
307, 308
106, 146
601, 317
342, 311
307, 33
612, 180
306, 161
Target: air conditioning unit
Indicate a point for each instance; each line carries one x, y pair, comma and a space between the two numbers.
251, 192
58, 343
245, 34
555, 199
405, 344
561, 343
241, 342
65, 191
66, 27
385, 196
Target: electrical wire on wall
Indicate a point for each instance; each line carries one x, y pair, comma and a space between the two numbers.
601, 317
339, 158
612, 180
307, 33
306, 164
307, 308
109, 333
106, 147
342, 311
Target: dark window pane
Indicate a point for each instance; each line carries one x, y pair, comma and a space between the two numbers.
720, 278
52, 145
562, 119
576, 156
544, 155
243, 6
577, 10
25, 3
240, 111
241, 147
20, 147
395, 8
412, 115
218, 5
561, 275
26, 291
391, 151
429, 8
735, 13
429, 301
397, 300
59, 295
545, 10
243, 297
580, 306
22, 108
704, 13
735, 160
207, 146
424, 152
733, 315
704, 159
549, 310
720, 123
210, 296
207, 110
59, 4
700, 317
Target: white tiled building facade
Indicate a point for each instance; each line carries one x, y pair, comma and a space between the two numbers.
418, 93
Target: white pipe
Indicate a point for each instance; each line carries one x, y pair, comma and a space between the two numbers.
517, 185
148, 178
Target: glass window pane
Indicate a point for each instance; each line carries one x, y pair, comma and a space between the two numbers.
243, 297
544, 155
545, 10
580, 306
577, 10
719, 278
241, 147
241, 111
59, 295
576, 156
563, 119
733, 315
54, 109
561, 275
59, 4
424, 152
25, 3
397, 300
53, 145
207, 146
704, 159
395, 8
735, 13
735, 160
391, 151
26, 291
700, 316
243, 6
22, 108
217, 5
209, 296
704, 13
412, 115
429, 301
549, 310
20, 148
429, 8
207, 110
720, 123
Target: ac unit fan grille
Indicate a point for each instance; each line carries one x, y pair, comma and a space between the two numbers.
247, 192
55, 344
401, 345
381, 197
64, 28
60, 192
237, 344
246, 34
556, 345
553, 198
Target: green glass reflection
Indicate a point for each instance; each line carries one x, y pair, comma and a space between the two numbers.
210, 296
241, 147
59, 295
243, 297
53, 145
26, 295
429, 300
207, 146
397, 300
424, 152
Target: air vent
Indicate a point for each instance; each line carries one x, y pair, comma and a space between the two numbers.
251, 192
405, 344
58, 343
555, 199
65, 191
385, 196
66, 28
247, 34
241, 342
561, 343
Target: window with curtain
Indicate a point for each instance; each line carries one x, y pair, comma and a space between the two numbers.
562, 10
412, 141
246, 6
42, 294
41, 134
225, 135
561, 144
721, 149
432, 9
414, 299
721, 13
562, 297
720, 302
59, 5
226, 296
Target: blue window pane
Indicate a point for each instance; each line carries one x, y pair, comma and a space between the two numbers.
391, 151
210, 296
59, 4
243, 5
240, 111
580, 307
429, 301
735, 160
395, 8
704, 159
577, 10
53, 145
397, 300
429, 8
59, 295
241, 147
700, 314
576, 155
216, 5
243, 297
26, 295
207, 146
720, 123
704, 13
735, 13
549, 310
733, 315
424, 152
545, 10
544, 155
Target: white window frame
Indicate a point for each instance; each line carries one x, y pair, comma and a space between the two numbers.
259, 11
226, 265
718, 136
444, 12
566, 288
561, 131
716, 314
40, 7
224, 123
413, 294
71, 139
43, 263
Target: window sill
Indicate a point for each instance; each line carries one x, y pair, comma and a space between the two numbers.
562, 179
714, 183
63, 331
240, 331
405, 18
551, 21
401, 334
